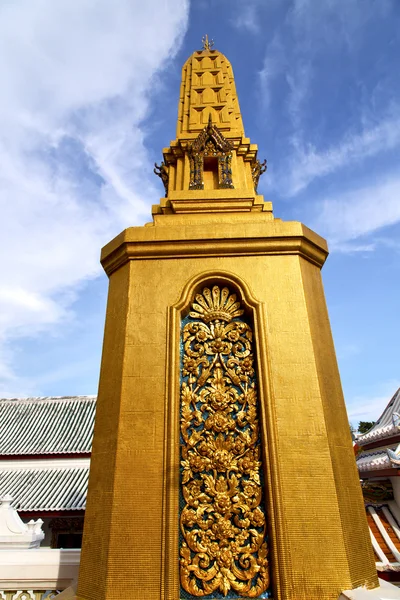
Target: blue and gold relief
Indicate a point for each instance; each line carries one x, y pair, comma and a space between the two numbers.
223, 530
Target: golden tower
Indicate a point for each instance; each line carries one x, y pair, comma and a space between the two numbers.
222, 460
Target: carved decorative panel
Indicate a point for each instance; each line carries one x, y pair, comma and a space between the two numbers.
210, 143
377, 492
223, 540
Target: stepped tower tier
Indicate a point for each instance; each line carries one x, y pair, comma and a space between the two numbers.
211, 155
208, 90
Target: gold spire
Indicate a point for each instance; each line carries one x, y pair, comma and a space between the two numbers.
208, 87
207, 44
211, 152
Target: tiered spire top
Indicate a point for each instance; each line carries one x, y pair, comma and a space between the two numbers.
208, 89
211, 166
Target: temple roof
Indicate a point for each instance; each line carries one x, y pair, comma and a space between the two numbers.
387, 425
374, 460
57, 485
51, 425
385, 535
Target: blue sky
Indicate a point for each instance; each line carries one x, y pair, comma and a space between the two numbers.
89, 99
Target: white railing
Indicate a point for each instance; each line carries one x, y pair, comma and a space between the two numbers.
28, 594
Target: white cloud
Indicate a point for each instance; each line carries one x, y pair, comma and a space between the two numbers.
299, 81
77, 83
352, 248
246, 16
307, 163
273, 65
334, 22
312, 34
359, 212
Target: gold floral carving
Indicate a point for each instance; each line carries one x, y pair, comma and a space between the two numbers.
223, 527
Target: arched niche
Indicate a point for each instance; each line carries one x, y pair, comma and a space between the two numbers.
232, 314
210, 158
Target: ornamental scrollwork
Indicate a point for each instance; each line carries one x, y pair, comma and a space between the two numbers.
162, 172
223, 546
377, 492
257, 169
225, 171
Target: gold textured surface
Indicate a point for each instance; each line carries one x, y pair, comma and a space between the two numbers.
318, 541
318, 530
223, 522
356, 536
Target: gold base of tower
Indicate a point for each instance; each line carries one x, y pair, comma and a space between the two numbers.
319, 542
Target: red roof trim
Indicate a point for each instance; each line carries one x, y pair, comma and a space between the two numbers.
45, 456
379, 473
382, 443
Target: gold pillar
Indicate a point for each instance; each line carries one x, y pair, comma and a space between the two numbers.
318, 537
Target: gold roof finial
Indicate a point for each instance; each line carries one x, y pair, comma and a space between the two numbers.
207, 44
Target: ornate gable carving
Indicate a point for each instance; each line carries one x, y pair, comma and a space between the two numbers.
210, 143
211, 140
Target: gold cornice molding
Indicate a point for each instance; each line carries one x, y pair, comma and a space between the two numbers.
212, 201
179, 147
219, 243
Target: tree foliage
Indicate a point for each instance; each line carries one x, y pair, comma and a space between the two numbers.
365, 426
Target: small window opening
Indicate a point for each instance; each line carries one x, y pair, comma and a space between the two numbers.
210, 173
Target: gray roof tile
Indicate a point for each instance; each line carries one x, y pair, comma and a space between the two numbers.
386, 426
52, 425
44, 489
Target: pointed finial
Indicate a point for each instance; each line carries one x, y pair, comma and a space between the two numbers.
209, 124
207, 44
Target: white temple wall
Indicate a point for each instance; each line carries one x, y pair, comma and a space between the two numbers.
396, 489
38, 569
